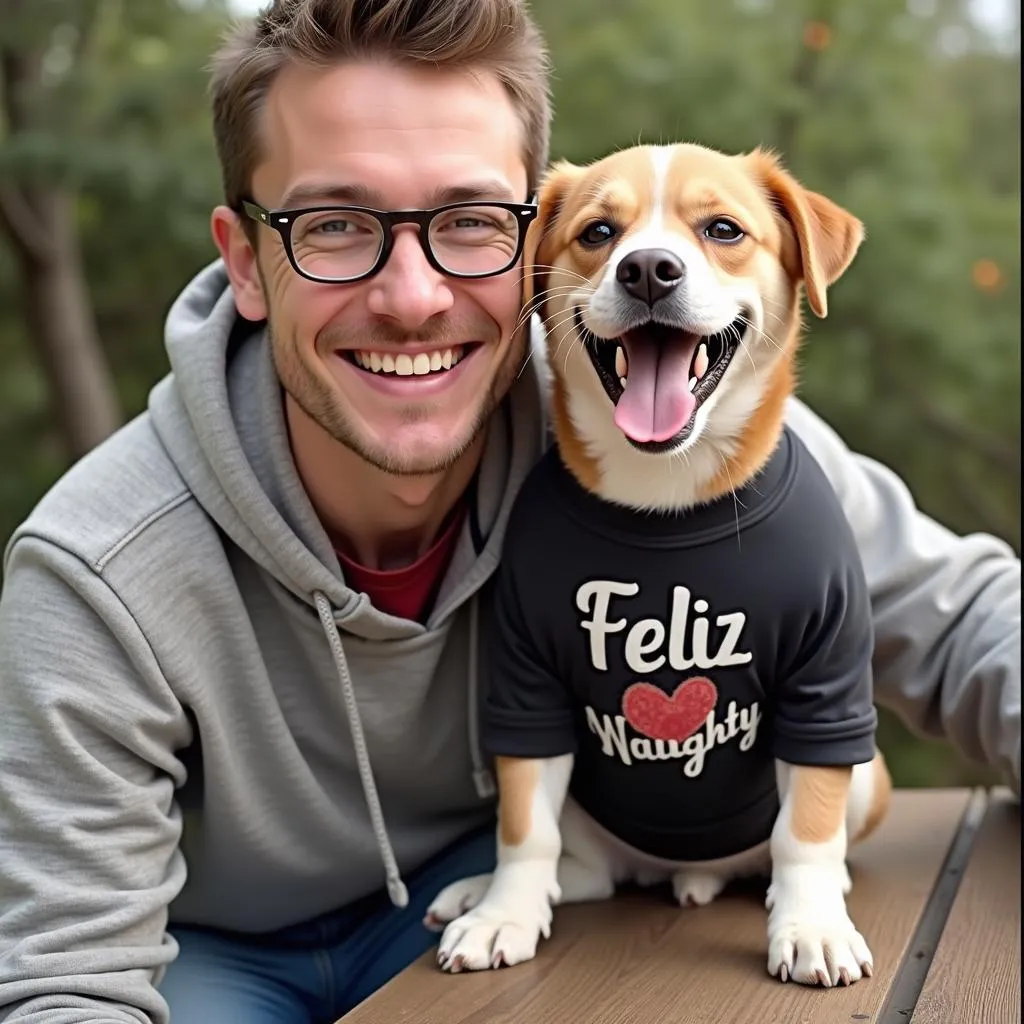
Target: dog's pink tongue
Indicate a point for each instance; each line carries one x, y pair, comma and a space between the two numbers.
657, 403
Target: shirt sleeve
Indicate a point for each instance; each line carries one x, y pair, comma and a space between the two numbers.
528, 711
825, 706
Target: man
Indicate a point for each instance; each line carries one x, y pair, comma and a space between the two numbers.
240, 643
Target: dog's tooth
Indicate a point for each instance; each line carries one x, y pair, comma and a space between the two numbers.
622, 383
693, 384
376, 363
700, 364
621, 369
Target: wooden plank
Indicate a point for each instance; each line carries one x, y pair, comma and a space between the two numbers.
909, 980
974, 976
639, 958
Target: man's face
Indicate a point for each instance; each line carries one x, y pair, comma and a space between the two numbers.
397, 138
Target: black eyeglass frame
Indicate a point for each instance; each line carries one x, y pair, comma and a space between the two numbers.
281, 221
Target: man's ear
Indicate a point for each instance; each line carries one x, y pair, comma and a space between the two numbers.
827, 236
551, 194
240, 262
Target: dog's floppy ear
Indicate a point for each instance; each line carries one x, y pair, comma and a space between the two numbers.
828, 236
553, 189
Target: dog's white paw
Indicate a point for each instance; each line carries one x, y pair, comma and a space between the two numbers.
490, 937
811, 939
506, 925
455, 899
696, 888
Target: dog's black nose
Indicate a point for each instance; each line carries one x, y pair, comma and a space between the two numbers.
649, 274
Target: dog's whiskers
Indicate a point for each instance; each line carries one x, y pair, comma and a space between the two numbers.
735, 498
764, 334
561, 338
536, 301
535, 269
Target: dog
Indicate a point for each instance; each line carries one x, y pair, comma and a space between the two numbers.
681, 680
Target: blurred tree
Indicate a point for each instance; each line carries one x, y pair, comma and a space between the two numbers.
38, 75
122, 134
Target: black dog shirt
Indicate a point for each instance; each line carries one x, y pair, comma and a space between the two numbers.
677, 655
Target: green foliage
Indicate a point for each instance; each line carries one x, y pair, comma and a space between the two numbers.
130, 129
911, 120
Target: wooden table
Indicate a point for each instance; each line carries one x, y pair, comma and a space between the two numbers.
936, 891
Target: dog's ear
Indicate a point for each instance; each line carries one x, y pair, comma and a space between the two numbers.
551, 194
827, 236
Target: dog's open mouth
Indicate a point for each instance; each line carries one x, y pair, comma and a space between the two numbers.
658, 376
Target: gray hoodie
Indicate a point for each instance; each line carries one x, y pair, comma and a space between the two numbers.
185, 678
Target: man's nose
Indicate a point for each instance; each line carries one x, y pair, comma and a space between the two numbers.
408, 290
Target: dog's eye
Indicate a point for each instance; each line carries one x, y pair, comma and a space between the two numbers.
723, 230
597, 233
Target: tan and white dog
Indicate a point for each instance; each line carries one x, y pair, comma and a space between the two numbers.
670, 280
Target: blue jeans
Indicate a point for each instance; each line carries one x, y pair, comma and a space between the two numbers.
314, 972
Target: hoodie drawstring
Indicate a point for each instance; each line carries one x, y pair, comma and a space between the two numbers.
397, 890
482, 777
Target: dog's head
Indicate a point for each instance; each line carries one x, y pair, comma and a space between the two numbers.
669, 281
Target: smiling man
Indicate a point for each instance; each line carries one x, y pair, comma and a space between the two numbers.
391, 374
241, 642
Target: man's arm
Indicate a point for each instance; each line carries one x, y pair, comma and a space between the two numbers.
89, 833
946, 609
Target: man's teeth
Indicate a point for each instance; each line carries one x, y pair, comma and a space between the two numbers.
405, 365
700, 366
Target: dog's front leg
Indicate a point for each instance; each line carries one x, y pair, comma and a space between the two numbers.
506, 925
811, 938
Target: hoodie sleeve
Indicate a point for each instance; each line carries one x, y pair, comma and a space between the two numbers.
946, 609
89, 831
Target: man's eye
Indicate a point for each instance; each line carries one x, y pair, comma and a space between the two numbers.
723, 230
334, 227
597, 233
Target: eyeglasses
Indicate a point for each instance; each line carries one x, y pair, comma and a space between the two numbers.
341, 244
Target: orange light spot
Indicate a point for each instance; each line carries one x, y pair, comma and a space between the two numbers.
987, 276
817, 35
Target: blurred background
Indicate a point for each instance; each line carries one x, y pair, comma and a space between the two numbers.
905, 111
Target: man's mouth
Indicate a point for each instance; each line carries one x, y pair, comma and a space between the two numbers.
405, 364
657, 376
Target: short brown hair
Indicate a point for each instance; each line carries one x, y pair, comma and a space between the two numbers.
495, 35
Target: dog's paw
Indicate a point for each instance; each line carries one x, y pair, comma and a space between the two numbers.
811, 939
503, 929
696, 888
490, 937
456, 899
818, 953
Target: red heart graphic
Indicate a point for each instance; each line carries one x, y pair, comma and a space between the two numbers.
655, 714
